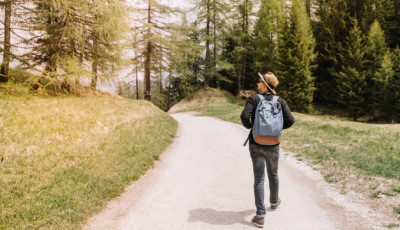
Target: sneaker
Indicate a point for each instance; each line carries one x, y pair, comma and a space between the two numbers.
258, 221
275, 206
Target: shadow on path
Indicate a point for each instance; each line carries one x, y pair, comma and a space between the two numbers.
211, 216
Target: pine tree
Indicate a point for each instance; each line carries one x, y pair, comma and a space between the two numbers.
384, 12
236, 73
360, 9
395, 86
56, 20
375, 52
284, 59
106, 33
152, 27
330, 29
72, 32
184, 62
295, 56
392, 26
211, 14
219, 9
266, 35
350, 80
383, 77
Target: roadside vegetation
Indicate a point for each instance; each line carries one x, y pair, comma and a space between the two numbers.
63, 158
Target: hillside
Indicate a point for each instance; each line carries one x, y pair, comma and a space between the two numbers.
203, 98
63, 158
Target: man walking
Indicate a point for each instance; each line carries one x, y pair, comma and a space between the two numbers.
262, 155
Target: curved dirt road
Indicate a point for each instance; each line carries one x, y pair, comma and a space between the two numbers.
204, 181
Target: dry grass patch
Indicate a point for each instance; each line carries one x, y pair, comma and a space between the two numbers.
61, 159
203, 98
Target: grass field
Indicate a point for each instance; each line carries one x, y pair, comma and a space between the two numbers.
63, 158
326, 140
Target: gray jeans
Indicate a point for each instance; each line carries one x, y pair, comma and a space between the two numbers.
261, 155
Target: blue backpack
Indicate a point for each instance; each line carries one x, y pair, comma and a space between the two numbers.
268, 121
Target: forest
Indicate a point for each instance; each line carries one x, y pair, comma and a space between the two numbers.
334, 52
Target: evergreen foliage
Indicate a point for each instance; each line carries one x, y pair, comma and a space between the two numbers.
375, 52
329, 29
295, 56
350, 81
383, 77
184, 66
227, 43
212, 25
153, 30
394, 84
106, 32
68, 33
284, 59
392, 31
61, 32
266, 35
238, 51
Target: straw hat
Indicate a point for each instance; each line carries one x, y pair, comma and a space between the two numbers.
270, 80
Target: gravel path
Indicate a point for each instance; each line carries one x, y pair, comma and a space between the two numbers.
204, 181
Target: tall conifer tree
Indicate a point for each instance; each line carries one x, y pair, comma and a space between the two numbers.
153, 28
295, 56
266, 35
107, 29
392, 31
71, 32
211, 20
383, 78
351, 83
375, 52
395, 86
330, 29
238, 50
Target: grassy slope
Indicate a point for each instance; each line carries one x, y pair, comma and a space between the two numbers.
332, 143
62, 159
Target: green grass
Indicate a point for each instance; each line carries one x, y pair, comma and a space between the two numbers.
332, 142
373, 149
392, 225
397, 210
62, 159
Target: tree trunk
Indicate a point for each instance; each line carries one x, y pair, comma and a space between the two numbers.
161, 56
93, 84
148, 57
208, 66
215, 44
94, 62
137, 83
169, 89
7, 43
135, 47
246, 30
308, 7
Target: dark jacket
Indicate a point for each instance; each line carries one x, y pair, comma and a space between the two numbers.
248, 112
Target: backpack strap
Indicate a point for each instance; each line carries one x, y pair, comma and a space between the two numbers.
276, 103
247, 140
